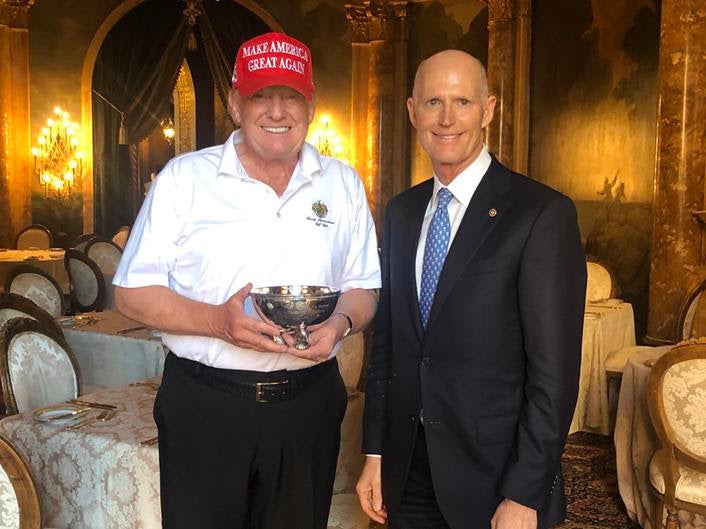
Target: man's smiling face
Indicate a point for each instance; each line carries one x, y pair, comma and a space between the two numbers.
274, 121
449, 109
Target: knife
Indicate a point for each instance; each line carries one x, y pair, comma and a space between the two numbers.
94, 404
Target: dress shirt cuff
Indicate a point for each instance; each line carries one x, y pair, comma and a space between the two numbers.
373, 455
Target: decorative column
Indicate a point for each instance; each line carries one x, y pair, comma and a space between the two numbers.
677, 237
509, 41
379, 131
15, 170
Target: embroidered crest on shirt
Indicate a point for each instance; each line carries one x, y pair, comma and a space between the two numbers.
320, 210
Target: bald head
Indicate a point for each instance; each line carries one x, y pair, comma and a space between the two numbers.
450, 107
451, 60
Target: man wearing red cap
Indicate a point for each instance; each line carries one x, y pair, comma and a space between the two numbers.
249, 429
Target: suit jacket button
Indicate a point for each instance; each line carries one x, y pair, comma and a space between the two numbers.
413, 418
425, 361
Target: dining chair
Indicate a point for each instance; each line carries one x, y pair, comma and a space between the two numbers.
38, 286
37, 368
34, 236
600, 283
676, 399
105, 253
81, 241
121, 236
345, 512
16, 306
86, 282
19, 502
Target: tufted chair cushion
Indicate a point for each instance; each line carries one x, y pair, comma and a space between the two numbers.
106, 254
691, 486
35, 285
599, 284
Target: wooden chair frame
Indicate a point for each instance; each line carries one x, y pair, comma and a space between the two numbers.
40, 227
11, 329
82, 239
17, 469
29, 269
8, 300
672, 447
99, 303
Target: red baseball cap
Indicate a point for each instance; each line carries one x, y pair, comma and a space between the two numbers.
273, 59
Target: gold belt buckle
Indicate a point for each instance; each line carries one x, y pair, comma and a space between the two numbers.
260, 388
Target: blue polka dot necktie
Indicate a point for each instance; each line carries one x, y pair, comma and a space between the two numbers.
435, 248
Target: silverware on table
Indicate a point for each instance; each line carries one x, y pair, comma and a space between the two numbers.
90, 404
105, 415
132, 329
149, 442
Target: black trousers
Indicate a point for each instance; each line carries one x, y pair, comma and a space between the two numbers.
418, 508
229, 462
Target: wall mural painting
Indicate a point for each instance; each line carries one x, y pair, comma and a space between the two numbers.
593, 126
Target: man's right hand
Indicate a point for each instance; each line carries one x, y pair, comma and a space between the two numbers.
233, 325
369, 489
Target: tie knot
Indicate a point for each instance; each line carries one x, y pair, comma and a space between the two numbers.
445, 197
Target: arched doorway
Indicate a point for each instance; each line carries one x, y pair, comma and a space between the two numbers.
96, 197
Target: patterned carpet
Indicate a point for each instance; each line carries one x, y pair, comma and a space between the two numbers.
591, 484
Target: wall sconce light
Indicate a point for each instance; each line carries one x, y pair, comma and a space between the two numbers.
58, 164
327, 138
168, 130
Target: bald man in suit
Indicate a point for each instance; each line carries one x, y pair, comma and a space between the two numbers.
473, 375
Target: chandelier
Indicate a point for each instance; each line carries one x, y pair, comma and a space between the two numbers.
327, 139
58, 164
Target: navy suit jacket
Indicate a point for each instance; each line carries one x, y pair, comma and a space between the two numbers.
497, 369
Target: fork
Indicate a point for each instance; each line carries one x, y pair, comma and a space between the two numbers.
105, 415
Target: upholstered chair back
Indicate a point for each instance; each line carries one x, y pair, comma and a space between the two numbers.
120, 237
36, 285
81, 241
692, 320
19, 503
105, 253
350, 359
86, 282
35, 236
600, 283
15, 306
37, 368
684, 402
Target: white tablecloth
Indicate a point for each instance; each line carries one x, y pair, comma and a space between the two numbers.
51, 261
636, 441
108, 359
99, 477
606, 328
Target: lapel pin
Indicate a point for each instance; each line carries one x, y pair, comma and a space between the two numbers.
492, 213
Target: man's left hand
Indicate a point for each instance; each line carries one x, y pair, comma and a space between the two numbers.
513, 515
322, 338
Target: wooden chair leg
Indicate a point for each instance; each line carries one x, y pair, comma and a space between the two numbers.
657, 513
672, 519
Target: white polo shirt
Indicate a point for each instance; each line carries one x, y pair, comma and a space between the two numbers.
206, 229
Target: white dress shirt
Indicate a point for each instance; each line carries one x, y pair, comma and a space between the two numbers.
206, 229
462, 188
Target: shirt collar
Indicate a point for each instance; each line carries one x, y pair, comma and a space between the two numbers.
308, 166
464, 185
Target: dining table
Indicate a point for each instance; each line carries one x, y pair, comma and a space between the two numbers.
111, 349
608, 325
105, 474
636, 441
50, 261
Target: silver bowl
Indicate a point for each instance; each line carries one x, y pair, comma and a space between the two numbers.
295, 307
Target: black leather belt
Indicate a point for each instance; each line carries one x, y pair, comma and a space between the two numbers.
258, 386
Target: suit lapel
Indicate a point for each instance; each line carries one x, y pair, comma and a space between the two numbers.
413, 214
493, 193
